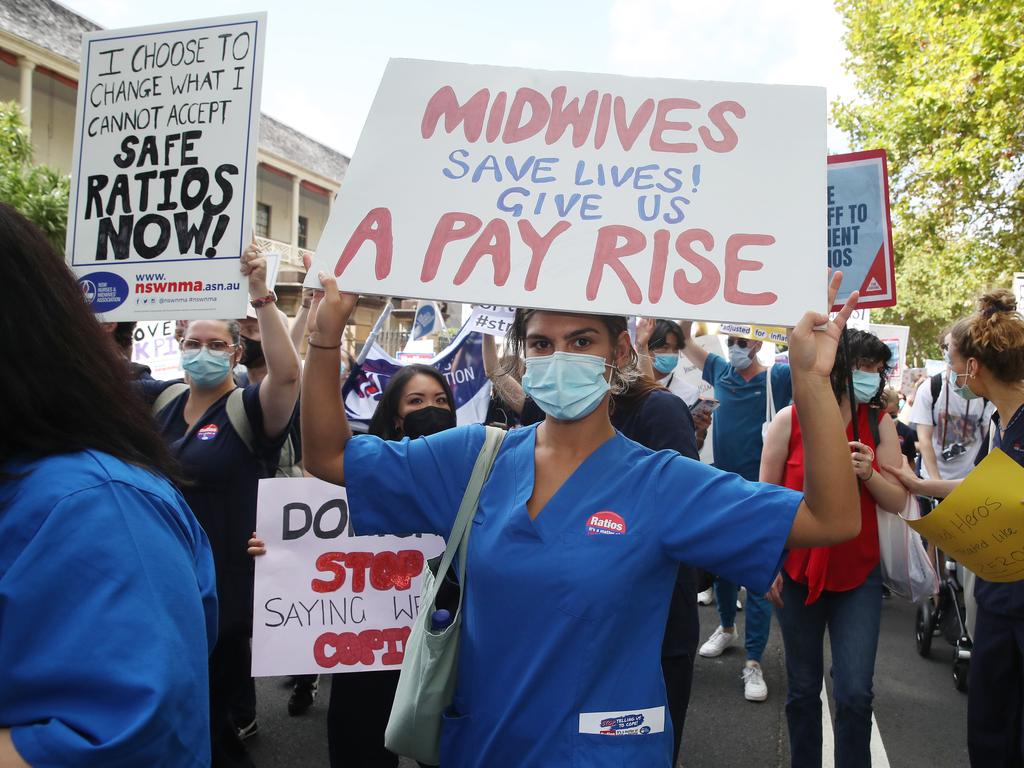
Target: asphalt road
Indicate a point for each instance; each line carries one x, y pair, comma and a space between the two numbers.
921, 718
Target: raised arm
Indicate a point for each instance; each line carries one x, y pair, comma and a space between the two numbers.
830, 511
280, 388
694, 352
325, 430
644, 329
510, 390
301, 320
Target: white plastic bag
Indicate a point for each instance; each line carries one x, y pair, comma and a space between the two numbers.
906, 569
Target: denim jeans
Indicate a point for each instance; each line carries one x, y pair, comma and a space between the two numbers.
758, 621
853, 620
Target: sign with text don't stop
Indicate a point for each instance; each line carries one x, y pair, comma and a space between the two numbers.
585, 192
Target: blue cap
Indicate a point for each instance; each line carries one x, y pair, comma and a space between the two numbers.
440, 619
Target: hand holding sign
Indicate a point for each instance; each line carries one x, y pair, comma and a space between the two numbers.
254, 265
331, 312
811, 350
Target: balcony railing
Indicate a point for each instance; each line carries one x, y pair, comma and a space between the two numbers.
290, 255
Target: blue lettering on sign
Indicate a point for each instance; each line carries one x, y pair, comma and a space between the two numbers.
103, 291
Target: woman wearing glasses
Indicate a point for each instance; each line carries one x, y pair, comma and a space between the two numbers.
742, 389
222, 472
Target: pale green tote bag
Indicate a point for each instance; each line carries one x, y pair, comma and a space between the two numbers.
427, 680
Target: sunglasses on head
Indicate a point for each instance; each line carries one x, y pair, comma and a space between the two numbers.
741, 343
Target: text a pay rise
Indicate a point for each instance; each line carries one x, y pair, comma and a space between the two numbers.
612, 244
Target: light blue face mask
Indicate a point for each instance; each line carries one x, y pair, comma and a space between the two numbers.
566, 385
964, 391
865, 386
665, 363
739, 358
205, 369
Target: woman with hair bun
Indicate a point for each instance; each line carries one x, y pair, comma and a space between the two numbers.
987, 358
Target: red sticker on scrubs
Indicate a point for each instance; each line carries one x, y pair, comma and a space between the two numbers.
606, 522
208, 432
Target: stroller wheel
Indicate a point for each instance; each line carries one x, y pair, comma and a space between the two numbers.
960, 667
924, 627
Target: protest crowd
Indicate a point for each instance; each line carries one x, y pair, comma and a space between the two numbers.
148, 541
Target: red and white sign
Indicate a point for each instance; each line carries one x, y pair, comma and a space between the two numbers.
325, 600
606, 522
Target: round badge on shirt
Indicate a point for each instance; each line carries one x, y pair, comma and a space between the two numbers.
606, 522
208, 432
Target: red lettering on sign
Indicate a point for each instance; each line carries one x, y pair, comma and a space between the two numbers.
350, 649
376, 228
388, 570
450, 227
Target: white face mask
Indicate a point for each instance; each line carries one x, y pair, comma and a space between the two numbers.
739, 358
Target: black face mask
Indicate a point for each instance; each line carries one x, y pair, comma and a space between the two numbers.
427, 421
252, 354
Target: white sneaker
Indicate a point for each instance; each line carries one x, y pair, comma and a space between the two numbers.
718, 642
707, 597
754, 688
740, 593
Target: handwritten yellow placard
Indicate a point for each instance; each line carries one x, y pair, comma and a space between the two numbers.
981, 523
773, 333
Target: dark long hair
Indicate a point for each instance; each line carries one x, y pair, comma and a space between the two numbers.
66, 386
864, 346
383, 422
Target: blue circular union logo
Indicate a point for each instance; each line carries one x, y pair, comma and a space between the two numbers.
103, 291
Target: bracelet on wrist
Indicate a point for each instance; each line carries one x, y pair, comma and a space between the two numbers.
309, 340
262, 301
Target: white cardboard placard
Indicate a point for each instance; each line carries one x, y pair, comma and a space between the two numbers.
325, 600
586, 192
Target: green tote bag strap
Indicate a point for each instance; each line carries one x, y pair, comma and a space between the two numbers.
427, 680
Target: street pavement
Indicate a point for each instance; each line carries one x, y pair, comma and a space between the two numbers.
921, 718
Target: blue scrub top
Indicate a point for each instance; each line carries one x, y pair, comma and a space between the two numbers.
736, 436
562, 629
223, 476
107, 616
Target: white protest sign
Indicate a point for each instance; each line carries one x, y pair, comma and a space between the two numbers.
859, 228
585, 192
164, 167
492, 319
897, 337
155, 347
325, 600
1018, 289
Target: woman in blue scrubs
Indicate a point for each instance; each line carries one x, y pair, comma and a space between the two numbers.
578, 536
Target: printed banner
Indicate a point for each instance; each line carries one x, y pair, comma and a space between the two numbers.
756, 332
585, 192
164, 167
897, 337
155, 347
859, 228
324, 599
461, 363
979, 524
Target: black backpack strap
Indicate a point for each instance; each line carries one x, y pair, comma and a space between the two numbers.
936, 385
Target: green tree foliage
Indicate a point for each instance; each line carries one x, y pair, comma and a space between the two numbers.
941, 88
39, 192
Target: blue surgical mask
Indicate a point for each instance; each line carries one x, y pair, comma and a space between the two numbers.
739, 358
566, 385
205, 369
665, 363
964, 391
865, 386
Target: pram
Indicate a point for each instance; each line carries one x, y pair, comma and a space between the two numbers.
947, 617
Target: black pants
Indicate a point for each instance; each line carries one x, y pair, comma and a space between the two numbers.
228, 751
678, 672
995, 694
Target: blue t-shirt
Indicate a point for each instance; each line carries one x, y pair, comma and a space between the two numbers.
736, 435
997, 597
564, 614
107, 616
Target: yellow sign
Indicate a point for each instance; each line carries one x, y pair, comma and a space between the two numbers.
772, 333
981, 523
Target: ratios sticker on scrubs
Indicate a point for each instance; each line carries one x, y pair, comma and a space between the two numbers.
634, 722
606, 522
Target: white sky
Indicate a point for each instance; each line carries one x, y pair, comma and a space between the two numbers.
324, 59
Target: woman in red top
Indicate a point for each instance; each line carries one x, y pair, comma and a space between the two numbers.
838, 587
